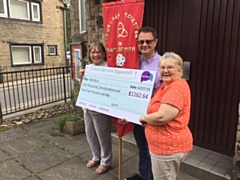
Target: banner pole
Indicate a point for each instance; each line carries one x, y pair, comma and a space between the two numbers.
119, 158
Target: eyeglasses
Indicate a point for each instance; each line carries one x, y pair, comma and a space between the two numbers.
141, 42
95, 52
167, 67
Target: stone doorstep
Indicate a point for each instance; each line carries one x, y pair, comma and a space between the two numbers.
129, 143
202, 173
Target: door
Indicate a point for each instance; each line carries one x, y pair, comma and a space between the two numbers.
206, 34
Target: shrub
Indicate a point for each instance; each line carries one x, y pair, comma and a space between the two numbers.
63, 118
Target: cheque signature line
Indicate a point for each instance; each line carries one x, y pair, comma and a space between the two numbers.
120, 108
129, 110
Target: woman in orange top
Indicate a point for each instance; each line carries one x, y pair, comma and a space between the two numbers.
167, 132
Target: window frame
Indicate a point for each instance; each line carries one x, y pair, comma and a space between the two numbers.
29, 54
32, 54
55, 49
28, 10
82, 19
30, 4
38, 11
5, 14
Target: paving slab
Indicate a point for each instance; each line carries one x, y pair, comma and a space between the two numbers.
46, 130
33, 177
23, 144
69, 170
3, 155
11, 134
12, 170
75, 144
41, 126
43, 158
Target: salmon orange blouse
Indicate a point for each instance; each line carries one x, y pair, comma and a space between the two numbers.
174, 136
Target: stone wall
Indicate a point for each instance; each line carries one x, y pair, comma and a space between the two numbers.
49, 32
236, 159
93, 15
75, 26
42, 114
94, 30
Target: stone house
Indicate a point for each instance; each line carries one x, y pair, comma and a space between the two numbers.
32, 33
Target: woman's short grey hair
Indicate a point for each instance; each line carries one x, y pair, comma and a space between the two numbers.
173, 57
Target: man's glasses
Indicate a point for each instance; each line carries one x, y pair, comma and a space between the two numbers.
141, 42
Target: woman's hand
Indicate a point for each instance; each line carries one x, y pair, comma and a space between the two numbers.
142, 121
81, 73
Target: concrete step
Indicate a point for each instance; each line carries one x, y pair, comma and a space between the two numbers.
201, 163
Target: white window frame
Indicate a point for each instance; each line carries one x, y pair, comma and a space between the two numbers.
5, 14
55, 50
38, 11
28, 12
40, 54
82, 19
31, 55
29, 5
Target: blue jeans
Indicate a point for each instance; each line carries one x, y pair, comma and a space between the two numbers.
144, 167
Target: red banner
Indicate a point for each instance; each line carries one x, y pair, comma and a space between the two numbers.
122, 20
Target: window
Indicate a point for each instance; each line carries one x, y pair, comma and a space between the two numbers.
19, 9
29, 10
21, 55
26, 54
37, 54
35, 12
82, 15
3, 8
52, 50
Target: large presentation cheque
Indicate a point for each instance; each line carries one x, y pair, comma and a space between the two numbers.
121, 93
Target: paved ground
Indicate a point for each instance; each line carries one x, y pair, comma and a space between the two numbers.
37, 151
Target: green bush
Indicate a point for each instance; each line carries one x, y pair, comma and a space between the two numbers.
68, 47
63, 118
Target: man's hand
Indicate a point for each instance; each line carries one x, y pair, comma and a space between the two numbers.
123, 121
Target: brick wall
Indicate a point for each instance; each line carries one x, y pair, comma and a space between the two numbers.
49, 32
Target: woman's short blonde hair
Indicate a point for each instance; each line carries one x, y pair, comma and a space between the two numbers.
173, 57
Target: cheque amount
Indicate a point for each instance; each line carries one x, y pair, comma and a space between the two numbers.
138, 95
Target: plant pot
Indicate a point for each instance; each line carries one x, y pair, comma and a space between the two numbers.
74, 128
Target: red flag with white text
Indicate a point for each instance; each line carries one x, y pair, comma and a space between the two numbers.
122, 20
